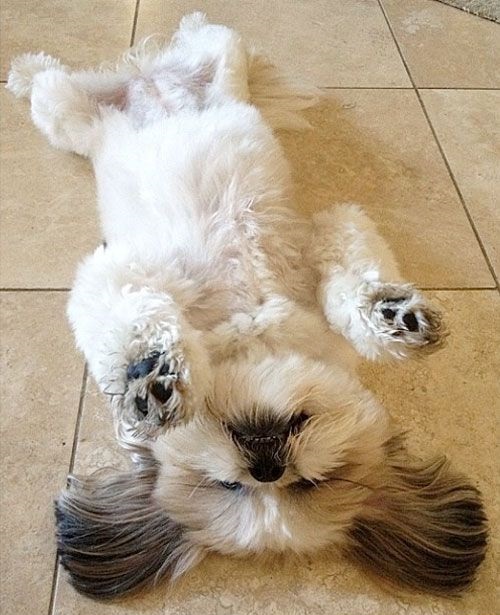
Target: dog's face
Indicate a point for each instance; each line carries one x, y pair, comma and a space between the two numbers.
287, 445
290, 455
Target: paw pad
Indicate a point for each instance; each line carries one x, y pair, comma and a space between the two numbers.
411, 322
399, 316
402, 320
151, 389
142, 368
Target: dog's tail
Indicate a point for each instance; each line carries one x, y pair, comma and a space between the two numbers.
279, 97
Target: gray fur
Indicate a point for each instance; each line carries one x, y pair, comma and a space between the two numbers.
112, 537
425, 529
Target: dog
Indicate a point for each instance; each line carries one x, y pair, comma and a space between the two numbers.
225, 327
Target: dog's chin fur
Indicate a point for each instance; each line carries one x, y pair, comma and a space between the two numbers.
224, 325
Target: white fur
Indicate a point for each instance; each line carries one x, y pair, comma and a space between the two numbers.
249, 304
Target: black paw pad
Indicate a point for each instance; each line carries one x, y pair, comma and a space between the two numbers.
388, 314
141, 403
410, 321
143, 368
161, 393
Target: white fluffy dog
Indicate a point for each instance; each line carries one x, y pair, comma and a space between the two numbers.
225, 327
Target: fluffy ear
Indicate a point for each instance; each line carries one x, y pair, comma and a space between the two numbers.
425, 529
113, 538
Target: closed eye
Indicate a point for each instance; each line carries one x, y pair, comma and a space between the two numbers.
231, 486
303, 484
297, 422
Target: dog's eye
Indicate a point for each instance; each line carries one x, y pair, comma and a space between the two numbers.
231, 486
304, 485
297, 422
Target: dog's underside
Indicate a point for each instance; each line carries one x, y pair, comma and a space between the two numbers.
225, 328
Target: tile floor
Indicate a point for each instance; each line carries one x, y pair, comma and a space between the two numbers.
409, 127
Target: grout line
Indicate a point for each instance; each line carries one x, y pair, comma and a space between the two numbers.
7, 289
441, 150
352, 87
449, 87
457, 288
459, 192
76, 434
364, 87
55, 578
134, 23
409, 87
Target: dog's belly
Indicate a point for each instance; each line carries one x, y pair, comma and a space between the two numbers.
185, 183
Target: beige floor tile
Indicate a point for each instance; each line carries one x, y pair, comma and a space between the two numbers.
40, 388
467, 123
82, 33
448, 404
445, 47
374, 147
329, 42
451, 403
48, 211
97, 445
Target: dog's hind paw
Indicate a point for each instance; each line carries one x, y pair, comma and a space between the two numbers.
401, 320
155, 391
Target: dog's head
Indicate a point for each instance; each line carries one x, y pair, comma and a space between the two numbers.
247, 475
289, 454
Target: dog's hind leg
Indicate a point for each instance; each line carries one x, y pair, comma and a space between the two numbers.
62, 110
66, 106
201, 43
360, 292
139, 348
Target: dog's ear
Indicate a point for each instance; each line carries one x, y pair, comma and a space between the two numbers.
113, 538
426, 528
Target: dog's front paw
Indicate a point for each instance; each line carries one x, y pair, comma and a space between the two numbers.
402, 320
155, 391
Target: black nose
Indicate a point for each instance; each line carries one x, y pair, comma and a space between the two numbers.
267, 473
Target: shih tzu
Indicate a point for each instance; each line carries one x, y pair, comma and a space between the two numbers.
225, 327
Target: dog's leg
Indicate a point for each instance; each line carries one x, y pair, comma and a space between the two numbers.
67, 106
360, 292
63, 111
219, 49
140, 350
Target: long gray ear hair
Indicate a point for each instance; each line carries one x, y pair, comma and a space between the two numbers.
425, 528
113, 538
